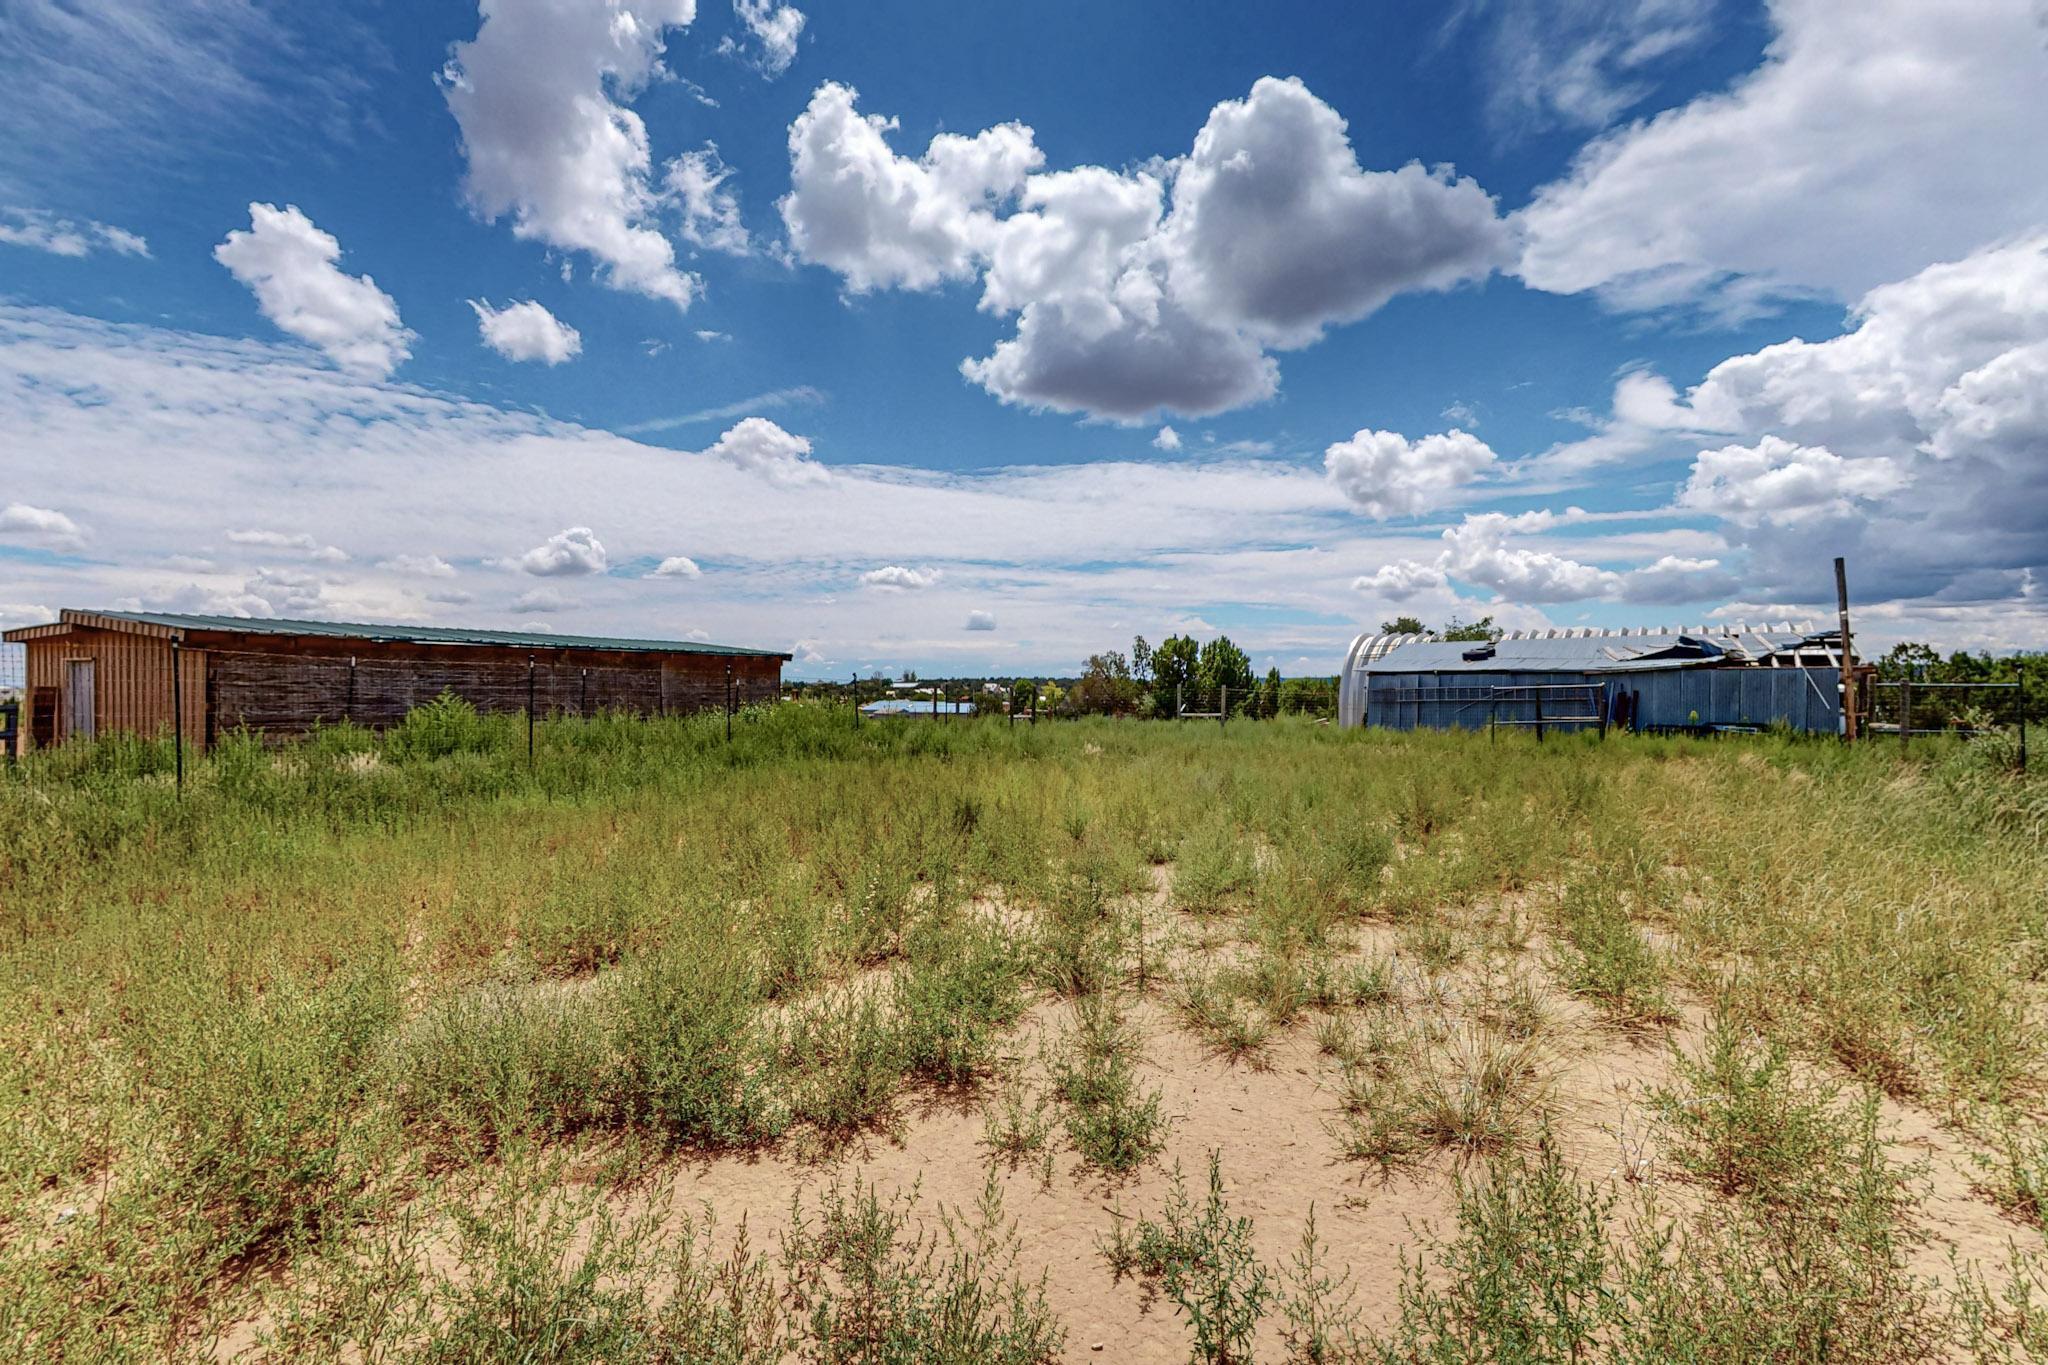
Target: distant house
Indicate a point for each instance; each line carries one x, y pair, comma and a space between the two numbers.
1703, 678
92, 672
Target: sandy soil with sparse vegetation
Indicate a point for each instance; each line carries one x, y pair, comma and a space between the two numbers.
1084, 1041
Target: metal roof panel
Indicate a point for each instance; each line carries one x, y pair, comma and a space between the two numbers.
403, 634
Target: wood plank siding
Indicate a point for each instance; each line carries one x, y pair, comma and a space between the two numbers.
285, 691
283, 685
131, 682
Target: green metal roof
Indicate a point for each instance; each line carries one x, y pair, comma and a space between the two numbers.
423, 635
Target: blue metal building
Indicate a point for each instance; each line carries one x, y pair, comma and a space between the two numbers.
1704, 679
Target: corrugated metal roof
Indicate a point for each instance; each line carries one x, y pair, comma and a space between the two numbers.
1577, 653
418, 635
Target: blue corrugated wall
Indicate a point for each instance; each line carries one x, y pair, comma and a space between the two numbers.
1805, 699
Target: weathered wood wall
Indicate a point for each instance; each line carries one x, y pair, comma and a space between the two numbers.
284, 687
131, 681
284, 692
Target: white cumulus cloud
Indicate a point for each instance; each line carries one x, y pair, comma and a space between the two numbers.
542, 97
885, 221
289, 265
1159, 289
898, 578
1481, 551
566, 553
1168, 440
676, 566
981, 620
758, 446
1876, 136
1778, 481
527, 331
1388, 475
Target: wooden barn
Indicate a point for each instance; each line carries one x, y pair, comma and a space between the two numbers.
94, 672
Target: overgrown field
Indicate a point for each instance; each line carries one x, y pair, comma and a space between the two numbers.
1090, 1040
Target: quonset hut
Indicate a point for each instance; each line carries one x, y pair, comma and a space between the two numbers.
92, 672
1705, 679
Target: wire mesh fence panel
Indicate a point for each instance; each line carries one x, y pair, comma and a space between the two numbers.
1912, 711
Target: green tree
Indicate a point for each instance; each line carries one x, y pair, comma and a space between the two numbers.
1173, 670
1141, 659
1221, 664
1105, 687
1403, 625
1482, 629
1308, 696
1269, 695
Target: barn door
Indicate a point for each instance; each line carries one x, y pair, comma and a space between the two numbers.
78, 703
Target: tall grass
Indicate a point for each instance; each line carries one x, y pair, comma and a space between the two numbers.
244, 1022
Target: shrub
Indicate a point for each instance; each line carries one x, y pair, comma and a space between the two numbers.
444, 726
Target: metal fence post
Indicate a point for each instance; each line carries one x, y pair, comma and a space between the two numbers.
2020, 681
1905, 711
529, 713
178, 708
728, 701
1223, 708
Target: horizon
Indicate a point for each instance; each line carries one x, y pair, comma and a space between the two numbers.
976, 343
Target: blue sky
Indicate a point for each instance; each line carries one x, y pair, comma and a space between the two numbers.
977, 339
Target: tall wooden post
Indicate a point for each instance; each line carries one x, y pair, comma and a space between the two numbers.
1223, 708
728, 701
1848, 653
1905, 711
529, 713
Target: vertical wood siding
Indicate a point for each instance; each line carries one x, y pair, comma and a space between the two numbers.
131, 680
287, 689
282, 693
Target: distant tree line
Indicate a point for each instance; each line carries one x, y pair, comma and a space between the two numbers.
1182, 675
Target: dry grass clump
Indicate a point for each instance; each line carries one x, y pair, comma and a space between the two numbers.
1409, 1089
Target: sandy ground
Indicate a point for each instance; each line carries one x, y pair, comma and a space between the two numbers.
1274, 1121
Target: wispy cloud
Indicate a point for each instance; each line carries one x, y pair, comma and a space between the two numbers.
801, 395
